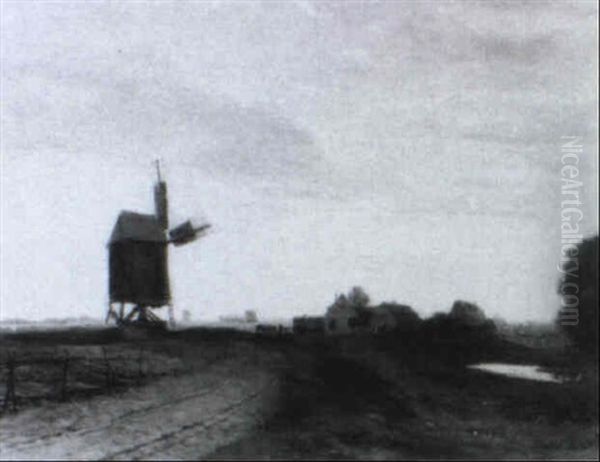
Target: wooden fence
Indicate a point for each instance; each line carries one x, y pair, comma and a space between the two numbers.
60, 377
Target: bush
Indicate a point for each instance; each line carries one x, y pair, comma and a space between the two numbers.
467, 313
406, 318
465, 322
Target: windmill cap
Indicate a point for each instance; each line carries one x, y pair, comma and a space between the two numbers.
137, 227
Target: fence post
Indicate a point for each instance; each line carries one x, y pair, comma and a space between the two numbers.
65, 375
140, 360
109, 372
10, 395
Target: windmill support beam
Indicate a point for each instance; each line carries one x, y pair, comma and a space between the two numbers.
171, 315
111, 314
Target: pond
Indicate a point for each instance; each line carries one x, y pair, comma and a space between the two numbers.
519, 371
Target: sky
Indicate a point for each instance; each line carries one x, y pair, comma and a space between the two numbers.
411, 148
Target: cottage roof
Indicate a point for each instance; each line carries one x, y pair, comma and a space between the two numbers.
137, 227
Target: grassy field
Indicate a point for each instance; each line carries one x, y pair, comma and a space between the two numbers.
226, 394
380, 398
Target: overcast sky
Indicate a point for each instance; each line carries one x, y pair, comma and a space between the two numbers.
412, 148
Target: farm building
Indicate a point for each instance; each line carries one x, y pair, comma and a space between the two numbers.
346, 319
348, 313
308, 325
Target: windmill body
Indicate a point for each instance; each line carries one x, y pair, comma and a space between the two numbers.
138, 262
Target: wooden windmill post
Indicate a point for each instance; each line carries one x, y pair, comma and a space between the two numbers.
138, 262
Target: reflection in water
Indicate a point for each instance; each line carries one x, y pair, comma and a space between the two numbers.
520, 371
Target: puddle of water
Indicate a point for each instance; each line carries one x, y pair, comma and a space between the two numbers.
519, 371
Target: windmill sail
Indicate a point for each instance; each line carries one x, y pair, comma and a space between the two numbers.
185, 233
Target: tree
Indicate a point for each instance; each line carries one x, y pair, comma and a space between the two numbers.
466, 322
406, 318
358, 298
578, 288
467, 313
341, 303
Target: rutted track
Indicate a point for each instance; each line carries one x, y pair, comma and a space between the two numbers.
176, 417
176, 439
72, 428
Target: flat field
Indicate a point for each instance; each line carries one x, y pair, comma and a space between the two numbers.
210, 393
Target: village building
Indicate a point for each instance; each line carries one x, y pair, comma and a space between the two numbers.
345, 319
308, 325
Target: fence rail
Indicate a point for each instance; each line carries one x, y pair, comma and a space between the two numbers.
60, 376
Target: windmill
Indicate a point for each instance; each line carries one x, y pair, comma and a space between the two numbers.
138, 261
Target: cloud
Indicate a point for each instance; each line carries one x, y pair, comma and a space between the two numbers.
330, 142
109, 115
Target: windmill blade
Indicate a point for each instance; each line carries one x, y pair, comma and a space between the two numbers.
201, 230
186, 232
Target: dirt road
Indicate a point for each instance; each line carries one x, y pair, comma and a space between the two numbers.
174, 418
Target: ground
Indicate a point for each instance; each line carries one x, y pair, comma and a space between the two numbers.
220, 394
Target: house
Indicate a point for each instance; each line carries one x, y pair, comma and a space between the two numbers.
250, 316
346, 319
268, 329
308, 325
